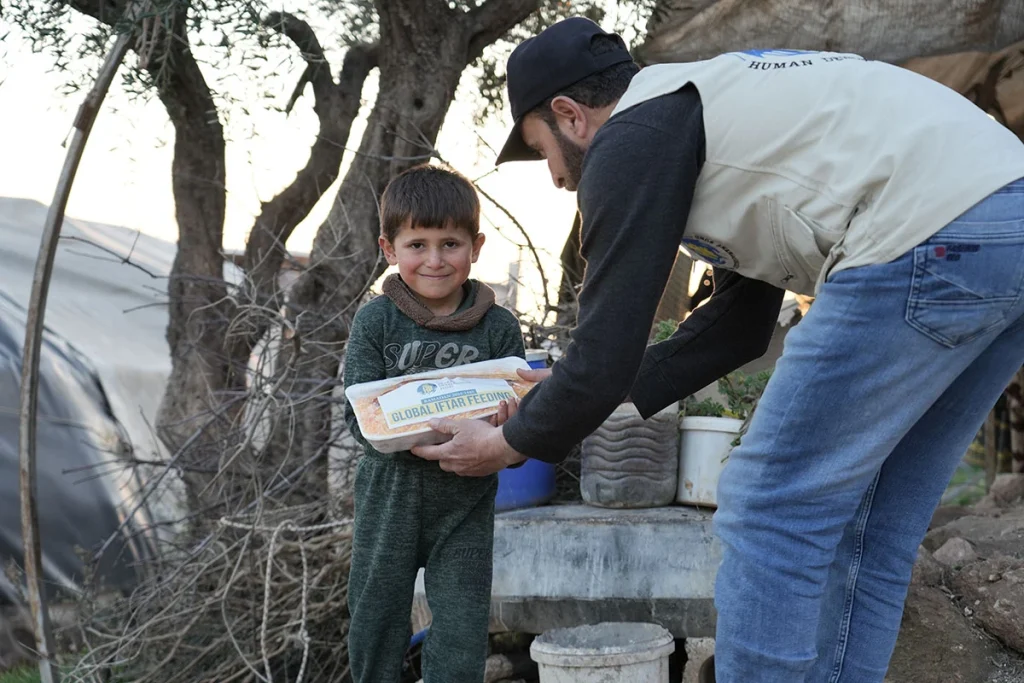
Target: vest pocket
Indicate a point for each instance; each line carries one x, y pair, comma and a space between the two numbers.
796, 246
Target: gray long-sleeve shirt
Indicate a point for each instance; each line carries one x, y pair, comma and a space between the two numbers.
638, 182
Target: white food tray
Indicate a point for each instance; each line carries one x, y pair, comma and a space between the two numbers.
423, 435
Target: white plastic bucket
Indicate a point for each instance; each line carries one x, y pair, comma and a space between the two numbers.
610, 652
703, 449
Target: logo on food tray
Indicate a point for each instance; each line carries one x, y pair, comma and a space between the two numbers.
710, 251
427, 388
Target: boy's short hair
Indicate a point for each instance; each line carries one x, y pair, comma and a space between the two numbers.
429, 197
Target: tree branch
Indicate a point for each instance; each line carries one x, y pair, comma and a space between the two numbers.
495, 18
105, 11
300, 33
336, 106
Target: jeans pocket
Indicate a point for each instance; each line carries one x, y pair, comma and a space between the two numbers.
966, 281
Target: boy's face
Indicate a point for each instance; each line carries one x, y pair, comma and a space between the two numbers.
433, 262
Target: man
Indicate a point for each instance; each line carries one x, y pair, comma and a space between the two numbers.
893, 199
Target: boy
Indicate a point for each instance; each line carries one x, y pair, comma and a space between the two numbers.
409, 513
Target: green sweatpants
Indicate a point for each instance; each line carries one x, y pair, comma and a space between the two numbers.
409, 513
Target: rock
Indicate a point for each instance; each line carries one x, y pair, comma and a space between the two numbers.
937, 644
927, 570
986, 507
697, 651
513, 665
995, 588
946, 514
16, 639
1007, 489
956, 553
990, 535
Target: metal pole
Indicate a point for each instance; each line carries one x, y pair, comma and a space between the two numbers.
30, 363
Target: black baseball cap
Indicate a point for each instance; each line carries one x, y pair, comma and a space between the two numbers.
551, 61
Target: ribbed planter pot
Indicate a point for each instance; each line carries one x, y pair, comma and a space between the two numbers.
629, 462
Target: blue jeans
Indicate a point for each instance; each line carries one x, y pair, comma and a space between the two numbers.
876, 398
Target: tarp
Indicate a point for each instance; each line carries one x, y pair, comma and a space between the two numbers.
103, 369
82, 498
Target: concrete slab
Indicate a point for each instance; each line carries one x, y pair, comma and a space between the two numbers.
558, 566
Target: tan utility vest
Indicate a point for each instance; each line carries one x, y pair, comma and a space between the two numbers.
817, 162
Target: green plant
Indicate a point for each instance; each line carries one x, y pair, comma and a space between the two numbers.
742, 392
709, 407
24, 675
663, 329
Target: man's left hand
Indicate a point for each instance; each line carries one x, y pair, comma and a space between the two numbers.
476, 448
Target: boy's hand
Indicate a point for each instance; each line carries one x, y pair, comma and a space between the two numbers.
476, 448
506, 409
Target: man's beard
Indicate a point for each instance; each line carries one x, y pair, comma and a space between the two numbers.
572, 156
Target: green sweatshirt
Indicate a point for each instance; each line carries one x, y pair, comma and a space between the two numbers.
394, 335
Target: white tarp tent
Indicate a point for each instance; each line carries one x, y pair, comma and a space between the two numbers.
111, 311
102, 371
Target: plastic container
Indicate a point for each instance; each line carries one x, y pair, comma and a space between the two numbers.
533, 483
423, 435
629, 462
703, 449
537, 358
611, 652
529, 485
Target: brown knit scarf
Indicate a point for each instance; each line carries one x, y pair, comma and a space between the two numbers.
482, 299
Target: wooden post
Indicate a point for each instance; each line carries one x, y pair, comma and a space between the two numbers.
991, 450
30, 362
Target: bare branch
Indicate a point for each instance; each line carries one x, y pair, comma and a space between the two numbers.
300, 33
495, 18
118, 258
336, 106
529, 244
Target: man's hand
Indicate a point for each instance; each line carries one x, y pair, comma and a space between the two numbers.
476, 448
534, 375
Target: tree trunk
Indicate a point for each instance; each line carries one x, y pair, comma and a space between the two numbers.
573, 266
211, 338
888, 30
1015, 413
675, 300
202, 373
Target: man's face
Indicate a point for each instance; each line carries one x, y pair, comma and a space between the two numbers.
564, 156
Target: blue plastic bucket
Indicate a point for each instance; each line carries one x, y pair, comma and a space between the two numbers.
532, 483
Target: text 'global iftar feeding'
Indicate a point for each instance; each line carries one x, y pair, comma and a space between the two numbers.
417, 402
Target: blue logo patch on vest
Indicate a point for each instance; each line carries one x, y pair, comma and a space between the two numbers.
762, 54
771, 56
710, 251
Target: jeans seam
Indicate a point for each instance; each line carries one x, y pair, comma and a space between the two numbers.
851, 581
